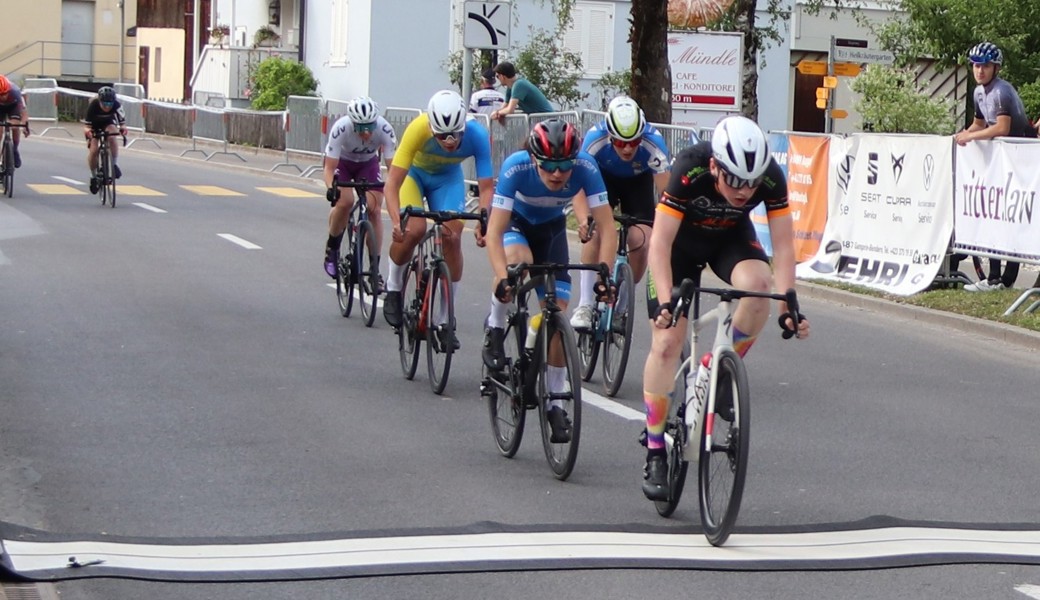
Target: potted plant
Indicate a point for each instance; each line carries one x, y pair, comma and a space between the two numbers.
219, 33
265, 36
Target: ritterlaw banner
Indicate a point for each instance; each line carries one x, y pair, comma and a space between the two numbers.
892, 224
994, 198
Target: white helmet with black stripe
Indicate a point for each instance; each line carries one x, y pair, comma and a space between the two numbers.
740, 149
447, 112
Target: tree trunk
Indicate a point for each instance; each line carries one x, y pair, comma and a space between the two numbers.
746, 24
651, 73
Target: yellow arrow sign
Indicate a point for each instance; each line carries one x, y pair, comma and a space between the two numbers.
822, 93
839, 113
846, 69
812, 67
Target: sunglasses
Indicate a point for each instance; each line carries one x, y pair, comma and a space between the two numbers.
551, 166
364, 127
738, 182
448, 137
106, 105
629, 144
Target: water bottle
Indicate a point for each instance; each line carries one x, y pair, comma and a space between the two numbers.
532, 331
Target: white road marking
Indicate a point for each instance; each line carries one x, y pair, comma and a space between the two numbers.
611, 406
462, 552
357, 294
1033, 591
68, 180
150, 207
234, 239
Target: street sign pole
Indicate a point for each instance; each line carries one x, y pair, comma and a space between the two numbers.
828, 120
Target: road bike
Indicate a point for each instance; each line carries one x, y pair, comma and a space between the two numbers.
523, 381
7, 157
354, 269
612, 323
427, 305
713, 428
105, 173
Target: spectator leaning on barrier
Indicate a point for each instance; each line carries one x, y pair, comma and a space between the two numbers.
487, 99
12, 108
521, 94
999, 112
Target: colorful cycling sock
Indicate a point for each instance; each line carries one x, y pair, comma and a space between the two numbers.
656, 416
742, 341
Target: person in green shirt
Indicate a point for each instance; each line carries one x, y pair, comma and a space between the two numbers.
520, 94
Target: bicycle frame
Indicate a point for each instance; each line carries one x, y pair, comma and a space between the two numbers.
624, 223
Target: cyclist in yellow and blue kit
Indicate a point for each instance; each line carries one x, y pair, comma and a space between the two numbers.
428, 165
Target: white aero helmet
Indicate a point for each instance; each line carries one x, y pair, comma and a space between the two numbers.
625, 120
447, 111
740, 150
362, 110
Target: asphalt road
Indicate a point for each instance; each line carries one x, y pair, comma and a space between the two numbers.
164, 384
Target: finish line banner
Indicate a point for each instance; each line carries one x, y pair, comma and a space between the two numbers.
892, 225
997, 186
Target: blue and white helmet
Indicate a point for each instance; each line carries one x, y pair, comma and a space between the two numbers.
986, 52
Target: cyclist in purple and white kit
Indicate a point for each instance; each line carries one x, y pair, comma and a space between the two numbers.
528, 224
634, 160
356, 142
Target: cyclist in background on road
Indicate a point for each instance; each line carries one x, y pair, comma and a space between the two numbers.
527, 224
634, 160
356, 142
104, 113
428, 165
704, 218
12, 109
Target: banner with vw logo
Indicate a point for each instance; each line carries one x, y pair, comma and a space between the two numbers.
893, 218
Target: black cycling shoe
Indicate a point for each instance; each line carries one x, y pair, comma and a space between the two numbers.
655, 478
494, 353
95, 185
446, 337
392, 309
116, 171
17, 160
560, 425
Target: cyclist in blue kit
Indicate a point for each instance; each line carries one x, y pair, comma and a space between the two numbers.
528, 224
634, 160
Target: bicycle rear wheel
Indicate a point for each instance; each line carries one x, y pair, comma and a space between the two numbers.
440, 327
617, 342
345, 275
676, 434
723, 465
503, 391
367, 280
562, 454
408, 338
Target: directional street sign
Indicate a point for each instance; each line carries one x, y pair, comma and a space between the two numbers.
487, 25
846, 69
864, 55
839, 113
812, 67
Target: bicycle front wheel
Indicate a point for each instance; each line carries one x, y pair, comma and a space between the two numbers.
677, 436
588, 348
724, 449
617, 342
367, 280
559, 391
408, 338
345, 274
110, 182
8, 169
440, 327
504, 393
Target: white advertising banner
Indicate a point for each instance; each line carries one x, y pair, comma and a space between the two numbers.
707, 70
996, 192
892, 223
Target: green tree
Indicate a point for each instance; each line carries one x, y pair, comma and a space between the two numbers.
613, 84
551, 67
275, 79
893, 102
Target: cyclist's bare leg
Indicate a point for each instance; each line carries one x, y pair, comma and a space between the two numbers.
92, 156
752, 313
658, 380
587, 279
401, 252
453, 248
16, 133
638, 250
339, 214
113, 147
375, 216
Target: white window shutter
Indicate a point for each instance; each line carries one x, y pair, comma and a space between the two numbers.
600, 41
338, 43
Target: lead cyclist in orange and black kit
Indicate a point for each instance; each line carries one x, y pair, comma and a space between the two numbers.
704, 219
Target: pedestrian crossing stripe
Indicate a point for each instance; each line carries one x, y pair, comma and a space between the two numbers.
55, 189
137, 190
210, 190
288, 192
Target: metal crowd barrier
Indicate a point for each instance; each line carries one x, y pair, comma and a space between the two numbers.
132, 90
41, 102
210, 125
306, 128
399, 118
134, 111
